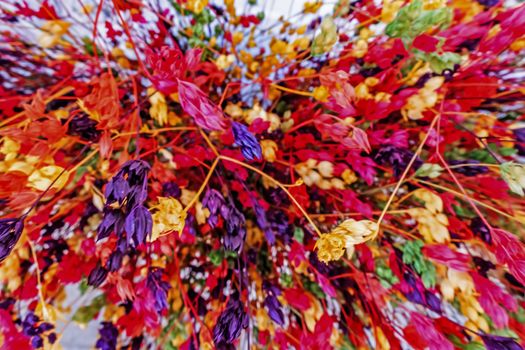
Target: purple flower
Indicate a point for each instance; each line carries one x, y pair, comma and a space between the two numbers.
113, 221
115, 261
235, 228
469, 170
97, 276
433, 302
262, 221
481, 230
159, 288
129, 183
230, 323
398, 158
250, 147
213, 200
37, 342
85, 127
10, 232
108, 336
494, 342
488, 3
272, 303
520, 138
138, 224
171, 189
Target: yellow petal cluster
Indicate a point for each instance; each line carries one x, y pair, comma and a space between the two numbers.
159, 109
325, 40
426, 98
331, 246
43, 178
319, 173
432, 226
52, 33
169, 216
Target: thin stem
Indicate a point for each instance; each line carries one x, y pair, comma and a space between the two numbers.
405, 173
203, 186
280, 185
459, 194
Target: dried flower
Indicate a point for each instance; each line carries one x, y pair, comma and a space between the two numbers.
97, 276
244, 139
514, 176
108, 337
230, 323
169, 216
138, 225
10, 232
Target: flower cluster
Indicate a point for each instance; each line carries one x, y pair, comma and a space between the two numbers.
193, 174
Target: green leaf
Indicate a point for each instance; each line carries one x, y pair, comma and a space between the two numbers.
413, 20
85, 314
429, 170
298, 234
216, 257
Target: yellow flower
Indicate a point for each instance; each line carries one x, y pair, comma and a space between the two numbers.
169, 216
389, 10
360, 48
312, 7
321, 93
53, 31
324, 41
348, 176
432, 201
42, 178
269, 147
196, 6
331, 246
433, 227
225, 61
427, 97
357, 232
159, 107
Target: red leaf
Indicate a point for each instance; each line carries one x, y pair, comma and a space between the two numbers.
204, 112
446, 256
427, 333
510, 251
106, 145
297, 298
494, 300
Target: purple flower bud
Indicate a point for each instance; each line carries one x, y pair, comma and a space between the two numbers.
481, 230
488, 3
230, 323
115, 261
85, 127
138, 224
159, 288
10, 232
398, 158
520, 138
108, 337
262, 221
235, 228
250, 147
272, 303
171, 189
469, 170
113, 221
37, 342
116, 190
494, 342
97, 276
433, 302
52, 337
213, 200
